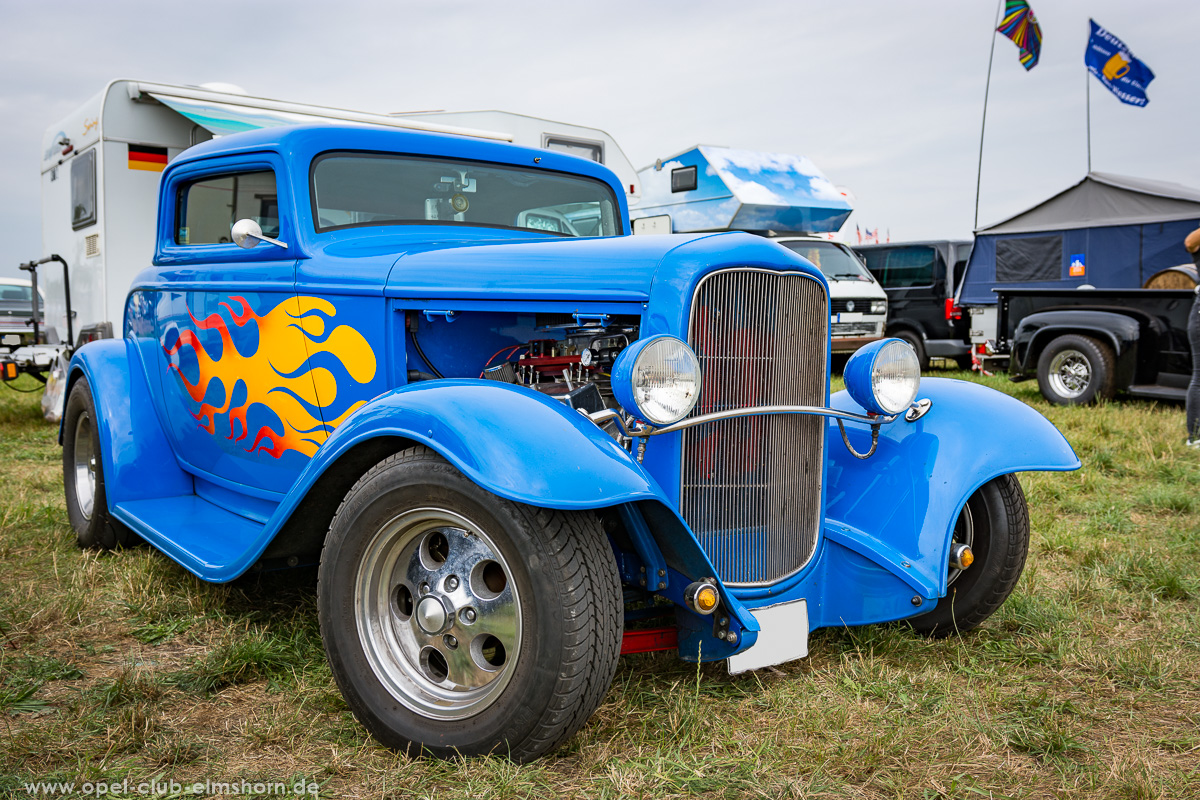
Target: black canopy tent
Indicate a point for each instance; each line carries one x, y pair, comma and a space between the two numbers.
1107, 231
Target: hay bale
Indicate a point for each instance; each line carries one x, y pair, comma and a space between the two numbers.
1183, 276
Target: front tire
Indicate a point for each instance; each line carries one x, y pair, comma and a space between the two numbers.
458, 623
1076, 370
83, 475
995, 524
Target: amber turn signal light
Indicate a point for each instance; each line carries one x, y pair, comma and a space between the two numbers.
961, 556
701, 597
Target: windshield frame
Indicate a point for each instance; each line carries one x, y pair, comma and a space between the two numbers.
618, 223
845, 250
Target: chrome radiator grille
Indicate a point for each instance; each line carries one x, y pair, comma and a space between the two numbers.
751, 486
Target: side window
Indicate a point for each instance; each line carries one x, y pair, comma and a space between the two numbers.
902, 267
960, 268
683, 179
83, 190
593, 151
207, 208
1030, 258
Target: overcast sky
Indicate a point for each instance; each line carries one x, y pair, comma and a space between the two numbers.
884, 97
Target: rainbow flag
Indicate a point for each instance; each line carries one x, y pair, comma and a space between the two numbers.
1020, 25
151, 159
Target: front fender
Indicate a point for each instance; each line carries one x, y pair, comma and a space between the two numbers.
898, 507
512, 441
137, 459
528, 448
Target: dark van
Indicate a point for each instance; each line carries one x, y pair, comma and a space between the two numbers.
920, 279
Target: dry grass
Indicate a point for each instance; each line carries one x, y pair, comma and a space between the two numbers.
1085, 684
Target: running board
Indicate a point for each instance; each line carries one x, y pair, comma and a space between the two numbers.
203, 537
1153, 391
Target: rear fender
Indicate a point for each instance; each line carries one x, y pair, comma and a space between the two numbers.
1118, 331
137, 459
898, 508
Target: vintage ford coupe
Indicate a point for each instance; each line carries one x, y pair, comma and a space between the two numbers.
507, 430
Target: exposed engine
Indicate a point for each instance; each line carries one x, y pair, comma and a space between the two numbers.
574, 366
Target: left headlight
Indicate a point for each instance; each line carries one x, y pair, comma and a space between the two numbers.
879, 306
883, 377
657, 379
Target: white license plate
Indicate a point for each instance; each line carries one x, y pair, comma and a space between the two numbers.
782, 637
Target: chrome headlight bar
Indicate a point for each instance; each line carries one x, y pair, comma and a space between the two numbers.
657, 381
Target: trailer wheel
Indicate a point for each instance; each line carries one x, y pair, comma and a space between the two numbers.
83, 475
918, 345
458, 623
1076, 370
995, 524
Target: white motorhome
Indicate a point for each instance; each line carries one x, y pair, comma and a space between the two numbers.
100, 171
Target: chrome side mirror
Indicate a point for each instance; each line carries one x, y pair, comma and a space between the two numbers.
247, 233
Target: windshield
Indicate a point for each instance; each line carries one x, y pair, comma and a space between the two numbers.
357, 189
836, 263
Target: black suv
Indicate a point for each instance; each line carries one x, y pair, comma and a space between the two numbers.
921, 279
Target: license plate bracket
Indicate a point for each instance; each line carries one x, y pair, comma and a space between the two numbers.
782, 637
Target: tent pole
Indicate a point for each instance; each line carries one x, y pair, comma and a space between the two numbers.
983, 125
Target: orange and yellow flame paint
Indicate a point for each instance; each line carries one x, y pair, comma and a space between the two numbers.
277, 374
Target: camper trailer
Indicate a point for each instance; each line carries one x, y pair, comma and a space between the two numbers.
778, 195
1105, 232
100, 170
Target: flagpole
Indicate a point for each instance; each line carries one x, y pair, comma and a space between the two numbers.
1087, 76
983, 125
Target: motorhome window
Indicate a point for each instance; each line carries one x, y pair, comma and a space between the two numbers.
361, 189
1032, 258
593, 151
683, 179
902, 267
83, 190
834, 262
208, 207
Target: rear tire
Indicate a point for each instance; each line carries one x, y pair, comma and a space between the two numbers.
1076, 370
83, 475
918, 345
995, 523
458, 623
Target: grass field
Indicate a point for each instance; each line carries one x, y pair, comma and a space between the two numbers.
1085, 684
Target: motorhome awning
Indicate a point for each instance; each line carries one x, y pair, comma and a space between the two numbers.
222, 118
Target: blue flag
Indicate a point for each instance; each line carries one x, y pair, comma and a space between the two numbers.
1110, 61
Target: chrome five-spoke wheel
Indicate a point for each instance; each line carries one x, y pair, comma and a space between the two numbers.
438, 613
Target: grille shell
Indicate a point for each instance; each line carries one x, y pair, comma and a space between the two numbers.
751, 486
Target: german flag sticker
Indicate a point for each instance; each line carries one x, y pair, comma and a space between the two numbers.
151, 159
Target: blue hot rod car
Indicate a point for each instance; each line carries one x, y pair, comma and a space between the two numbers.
506, 430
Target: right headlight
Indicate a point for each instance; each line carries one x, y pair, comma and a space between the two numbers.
879, 306
657, 379
883, 377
